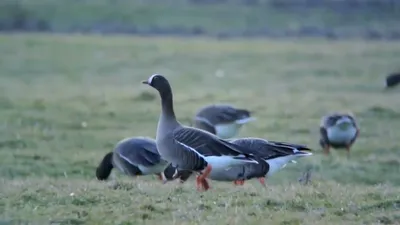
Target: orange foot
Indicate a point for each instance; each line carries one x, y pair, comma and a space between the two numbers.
202, 184
201, 181
262, 181
238, 182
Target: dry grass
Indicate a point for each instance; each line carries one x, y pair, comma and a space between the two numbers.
49, 85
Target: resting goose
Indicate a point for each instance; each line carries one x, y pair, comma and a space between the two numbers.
339, 131
135, 156
274, 154
189, 148
222, 120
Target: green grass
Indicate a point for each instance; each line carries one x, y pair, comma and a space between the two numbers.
49, 85
177, 16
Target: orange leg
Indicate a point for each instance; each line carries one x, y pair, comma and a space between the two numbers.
159, 176
199, 183
262, 181
201, 179
348, 151
205, 184
238, 182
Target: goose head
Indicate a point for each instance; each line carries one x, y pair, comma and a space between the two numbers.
344, 123
158, 82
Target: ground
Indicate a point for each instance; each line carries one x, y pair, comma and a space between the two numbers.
67, 99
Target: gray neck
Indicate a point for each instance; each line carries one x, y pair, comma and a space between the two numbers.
167, 119
167, 105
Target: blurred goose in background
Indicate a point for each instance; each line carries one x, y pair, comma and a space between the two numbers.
392, 80
135, 156
222, 120
275, 156
189, 148
338, 131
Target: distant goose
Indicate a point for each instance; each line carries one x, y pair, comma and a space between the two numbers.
339, 131
392, 80
189, 148
222, 120
275, 155
135, 156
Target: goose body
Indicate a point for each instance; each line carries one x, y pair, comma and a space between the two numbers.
135, 156
189, 148
392, 80
275, 156
222, 120
339, 131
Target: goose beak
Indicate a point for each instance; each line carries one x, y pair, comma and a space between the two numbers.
145, 82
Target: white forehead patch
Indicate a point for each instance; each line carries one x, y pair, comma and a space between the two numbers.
151, 78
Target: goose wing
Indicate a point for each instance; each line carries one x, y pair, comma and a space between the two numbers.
207, 144
139, 152
217, 114
270, 149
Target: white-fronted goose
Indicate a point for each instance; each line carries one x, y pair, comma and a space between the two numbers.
189, 148
339, 131
275, 155
135, 156
222, 120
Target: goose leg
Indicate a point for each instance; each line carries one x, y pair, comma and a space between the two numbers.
202, 178
202, 184
348, 151
238, 182
327, 150
262, 181
199, 183
205, 184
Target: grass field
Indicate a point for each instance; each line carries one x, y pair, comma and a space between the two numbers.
335, 19
66, 100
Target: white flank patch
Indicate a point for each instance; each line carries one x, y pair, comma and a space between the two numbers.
228, 130
337, 135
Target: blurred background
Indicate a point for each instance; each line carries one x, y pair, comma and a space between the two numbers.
332, 19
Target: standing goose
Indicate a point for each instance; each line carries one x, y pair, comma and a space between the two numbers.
338, 130
189, 148
135, 156
222, 120
274, 154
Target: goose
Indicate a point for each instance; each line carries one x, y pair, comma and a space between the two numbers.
339, 131
392, 80
275, 156
222, 120
135, 156
189, 148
